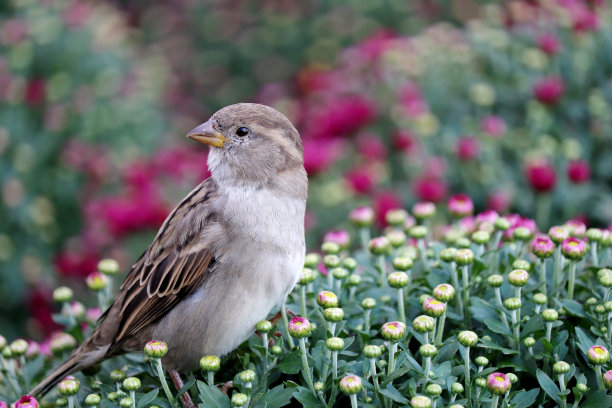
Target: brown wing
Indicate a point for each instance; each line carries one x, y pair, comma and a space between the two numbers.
173, 267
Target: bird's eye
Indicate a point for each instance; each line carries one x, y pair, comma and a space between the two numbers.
242, 131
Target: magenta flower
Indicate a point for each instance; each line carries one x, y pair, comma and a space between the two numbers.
361, 180
542, 247
558, 233
405, 141
541, 176
576, 227
299, 327
372, 147
362, 216
499, 201
428, 188
319, 155
27, 401
96, 281
498, 383
549, 43
93, 314
340, 237
379, 245
487, 216
433, 307
493, 126
467, 148
424, 209
607, 380
3, 404
578, 171
383, 203
460, 205
573, 248
548, 90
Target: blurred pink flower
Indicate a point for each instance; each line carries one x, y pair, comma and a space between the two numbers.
342, 117
488, 216
578, 171
361, 180
412, 100
435, 167
494, 126
319, 155
518, 221
460, 205
467, 148
548, 90
430, 189
405, 141
35, 92
576, 227
71, 263
371, 147
541, 176
13, 31
467, 224
340, 237
371, 48
499, 201
549, 43
383, 202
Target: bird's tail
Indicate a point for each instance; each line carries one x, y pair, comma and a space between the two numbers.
68, 367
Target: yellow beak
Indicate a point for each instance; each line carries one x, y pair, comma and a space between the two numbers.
207, 134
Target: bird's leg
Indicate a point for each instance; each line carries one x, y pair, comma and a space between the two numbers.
227, 386
278, 316
178, 383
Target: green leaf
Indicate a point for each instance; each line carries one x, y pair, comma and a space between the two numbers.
584, 340
292, 363
392, 392
548, 386
147, 398
494, 346
277, 397
496, 326
416, 366
524, 399
185, 388
597, 400
212, 397
305, 397
573, 307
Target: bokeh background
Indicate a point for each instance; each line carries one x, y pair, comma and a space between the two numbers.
397, 102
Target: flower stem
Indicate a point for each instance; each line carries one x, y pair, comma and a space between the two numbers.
594, 258
426, 370
392, 350
71, 401
211, 378
303, 310
572, 279
455, 280
501, 305
366, 316
286, 326
558, 267
381, 271
423, 253
354, 401
335, 364
466, 294
164, 383
562, 388
548, 331
364, 234
542, 263
441, 321
400, 305
374, 375
517, 328
468, 385
307, 376
599, 377
494, 401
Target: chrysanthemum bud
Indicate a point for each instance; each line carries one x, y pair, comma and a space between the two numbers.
96, 281
396, 217
460, 205
349, 263
573, 248
131, 384
327, 299
126, 402
263, 326
501, 224
457, 388
62, 294
307, 276
61, 342
498, 383
467, 338
428, 350
299, 327
330, 248
605, 277
600, 309
550, 315
513, 378
418, 231
495, 281
379, 246
331, 261
561, 367
108, 266
542, 247
398, 279
19, 347
518, 277
319, 386
540, 299
27, 401
210, 363
334, 344
276, 350
464, 257
448, 254
368, 303
521, 264
522, 234
68, 387
372, 351
582, 388
598, 355
481, 361
362, 217
117, 375
558, 234
247, 376
423, 324
396, 238
155, 349
594, 234
433, 389
423, 210
311, 260
92, 400
481, 237
607, 379
420, 401
590, 302
512, 303
444, 292
112, 396
354, 280
433, 307
402, 263
239, 399
333, 314
462, 242
350, 384
339, 273
393, 331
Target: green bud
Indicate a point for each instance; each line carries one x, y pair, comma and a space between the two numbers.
495, 281
331, 261
372, 351
457, 388
247, 376
448, 254
433, 389
481, 361
239, 399
63, 294
428, 350
108, 266
117, 375
349, 263
561, 367
263, 326
210, 363
334, 344
312, 260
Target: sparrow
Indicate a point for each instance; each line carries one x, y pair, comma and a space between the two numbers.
229, 253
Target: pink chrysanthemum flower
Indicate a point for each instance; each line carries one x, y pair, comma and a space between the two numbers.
573, 248
498, 383
460, 205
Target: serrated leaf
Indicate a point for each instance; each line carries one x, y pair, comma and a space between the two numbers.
305, 397
291, 364
212, 396
548, 386
524, 399
277, 397
496, 326
147, 398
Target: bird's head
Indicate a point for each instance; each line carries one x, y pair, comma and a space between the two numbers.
250, 143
